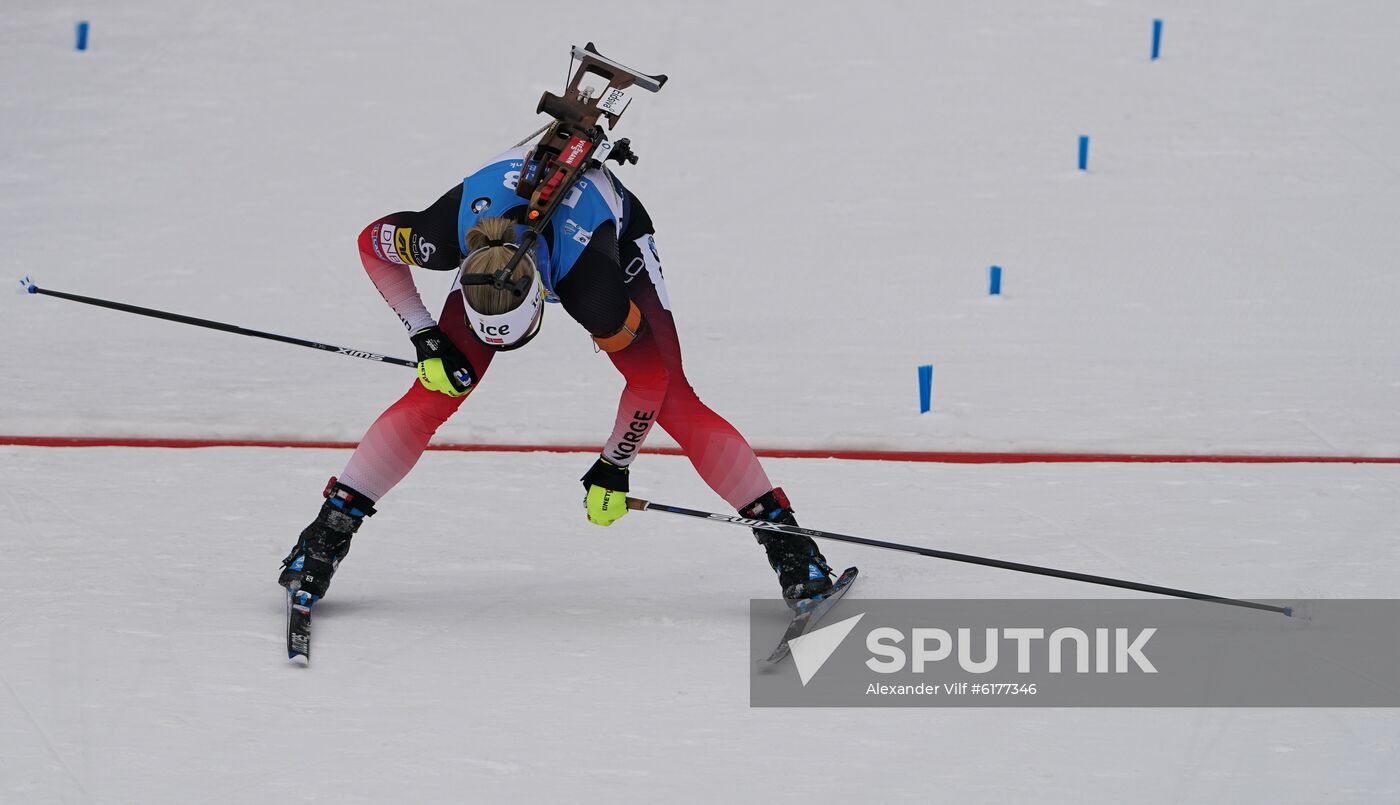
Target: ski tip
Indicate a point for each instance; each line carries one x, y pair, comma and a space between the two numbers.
847, 576
28, 285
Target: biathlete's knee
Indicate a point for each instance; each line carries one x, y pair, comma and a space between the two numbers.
424, 408
624, 336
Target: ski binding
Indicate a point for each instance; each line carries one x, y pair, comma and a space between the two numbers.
809, 611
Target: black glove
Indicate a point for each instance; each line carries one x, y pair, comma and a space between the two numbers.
441, 366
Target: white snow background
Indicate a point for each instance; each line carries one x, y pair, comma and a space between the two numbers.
830, 183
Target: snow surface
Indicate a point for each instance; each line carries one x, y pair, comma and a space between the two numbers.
450, 666
1221, 280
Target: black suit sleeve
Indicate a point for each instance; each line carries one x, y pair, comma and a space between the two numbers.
593, 292
426, 239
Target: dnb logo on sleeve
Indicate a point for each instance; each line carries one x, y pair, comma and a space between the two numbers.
384, 244
398, 244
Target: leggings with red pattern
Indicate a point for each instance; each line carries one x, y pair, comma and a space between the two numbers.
656, 391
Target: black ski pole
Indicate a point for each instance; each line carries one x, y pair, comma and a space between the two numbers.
30, 287
644, 505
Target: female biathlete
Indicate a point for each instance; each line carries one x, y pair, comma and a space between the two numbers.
598, 259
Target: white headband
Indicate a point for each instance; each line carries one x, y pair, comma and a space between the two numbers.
504, 330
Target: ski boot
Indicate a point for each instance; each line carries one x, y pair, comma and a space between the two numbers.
801, 568
317, 553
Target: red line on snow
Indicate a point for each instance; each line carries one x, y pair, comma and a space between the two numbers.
939, 457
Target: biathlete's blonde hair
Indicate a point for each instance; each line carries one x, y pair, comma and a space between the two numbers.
487, 254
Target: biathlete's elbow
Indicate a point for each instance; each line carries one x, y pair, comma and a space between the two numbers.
367, 241
622, 337
376, 244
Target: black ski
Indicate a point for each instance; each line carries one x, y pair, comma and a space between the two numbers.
810, 611
298, 624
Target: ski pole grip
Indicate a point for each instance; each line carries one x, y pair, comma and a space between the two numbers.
637, 504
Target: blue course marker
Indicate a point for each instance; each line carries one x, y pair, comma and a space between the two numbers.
1156, 39
925, 388
996, 281
1083, 152
82, 35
